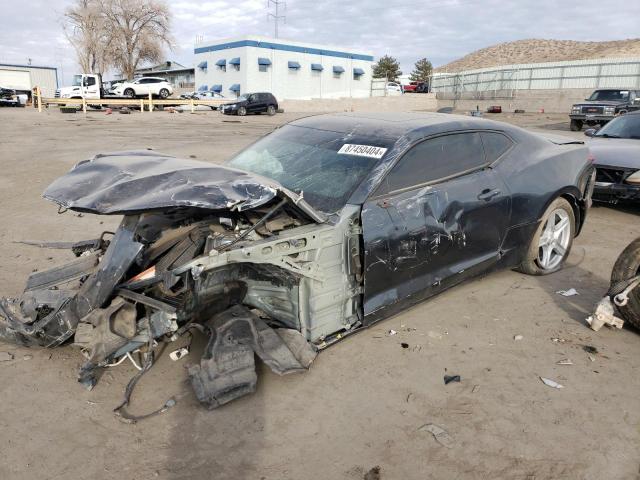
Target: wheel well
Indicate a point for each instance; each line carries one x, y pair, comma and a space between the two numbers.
577, 211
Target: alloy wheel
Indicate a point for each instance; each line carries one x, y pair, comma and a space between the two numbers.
554, 240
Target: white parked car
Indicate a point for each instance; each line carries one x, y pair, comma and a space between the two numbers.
206, 96
158, 87
394, 88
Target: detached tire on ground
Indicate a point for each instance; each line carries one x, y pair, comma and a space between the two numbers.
552, 241
575, 125
628, 266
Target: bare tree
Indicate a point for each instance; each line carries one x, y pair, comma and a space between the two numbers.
85, 28
138, 30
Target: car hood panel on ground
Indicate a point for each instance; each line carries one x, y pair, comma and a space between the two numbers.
139, 181
615, 152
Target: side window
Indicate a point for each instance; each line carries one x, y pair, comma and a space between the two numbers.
435, 159
495, 144
88, 81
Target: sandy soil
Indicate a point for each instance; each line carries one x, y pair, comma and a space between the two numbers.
364, 400
535, 50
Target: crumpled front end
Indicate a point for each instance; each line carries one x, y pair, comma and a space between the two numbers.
173, 269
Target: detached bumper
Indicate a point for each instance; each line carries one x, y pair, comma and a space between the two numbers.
613, 192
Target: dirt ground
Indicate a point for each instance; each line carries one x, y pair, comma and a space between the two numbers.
364, 400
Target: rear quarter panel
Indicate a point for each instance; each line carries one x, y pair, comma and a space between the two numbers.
538, 171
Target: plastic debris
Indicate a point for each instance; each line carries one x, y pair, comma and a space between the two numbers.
451, 378
436, 335
27, 357
568, 293
551, 383
604, 315
475, 388
440, 434
6, 357
392, 332
517, 338
590, 349
404, 345
566, 361
178, 354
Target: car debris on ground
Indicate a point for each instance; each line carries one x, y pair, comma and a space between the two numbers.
568, 293
551, 383
451, 379
439, 433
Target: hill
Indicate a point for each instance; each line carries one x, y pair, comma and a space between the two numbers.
538, 51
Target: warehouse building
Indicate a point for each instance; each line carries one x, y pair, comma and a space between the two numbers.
289, 70
23, 78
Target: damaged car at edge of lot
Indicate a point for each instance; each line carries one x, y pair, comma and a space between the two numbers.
616, 156
321, 228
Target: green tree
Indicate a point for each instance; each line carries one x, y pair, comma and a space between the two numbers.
387, 67
421, 71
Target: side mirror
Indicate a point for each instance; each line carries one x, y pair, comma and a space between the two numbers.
590, 132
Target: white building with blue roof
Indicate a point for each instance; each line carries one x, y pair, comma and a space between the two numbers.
289, 70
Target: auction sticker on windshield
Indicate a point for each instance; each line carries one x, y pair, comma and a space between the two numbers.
362, 150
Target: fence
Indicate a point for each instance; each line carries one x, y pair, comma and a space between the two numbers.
503, 82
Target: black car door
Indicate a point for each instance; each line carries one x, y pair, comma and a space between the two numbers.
438, 217
261, 103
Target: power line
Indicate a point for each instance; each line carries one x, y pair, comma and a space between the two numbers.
276, 17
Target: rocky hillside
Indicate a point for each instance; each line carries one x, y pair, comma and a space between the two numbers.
537, 51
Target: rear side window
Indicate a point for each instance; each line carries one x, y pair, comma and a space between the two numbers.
495, 144
436, 159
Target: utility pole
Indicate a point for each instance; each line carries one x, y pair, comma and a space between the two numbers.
276, 17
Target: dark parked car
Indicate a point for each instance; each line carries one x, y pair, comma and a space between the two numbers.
319, 229
616, 152
251, 103
603, 106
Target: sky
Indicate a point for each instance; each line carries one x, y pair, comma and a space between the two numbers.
440, 30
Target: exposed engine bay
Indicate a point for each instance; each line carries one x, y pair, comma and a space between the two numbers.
264, 275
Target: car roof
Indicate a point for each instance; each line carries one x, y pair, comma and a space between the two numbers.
396, 125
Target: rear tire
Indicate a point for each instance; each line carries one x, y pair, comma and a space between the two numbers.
271, 110
575, 125
628, 266
552, 241
164, 93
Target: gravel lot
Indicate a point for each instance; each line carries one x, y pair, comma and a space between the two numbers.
364, 400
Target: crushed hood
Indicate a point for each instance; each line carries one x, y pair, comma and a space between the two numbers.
127, 183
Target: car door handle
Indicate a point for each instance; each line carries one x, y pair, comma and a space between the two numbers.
488, 194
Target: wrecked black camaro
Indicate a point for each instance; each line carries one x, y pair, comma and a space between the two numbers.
322, 227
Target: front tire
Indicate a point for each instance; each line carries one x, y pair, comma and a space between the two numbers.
130, 92
626, 267
164, 93
552, 241
242, 111
575, 125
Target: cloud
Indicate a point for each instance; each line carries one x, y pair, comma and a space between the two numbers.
441, 30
